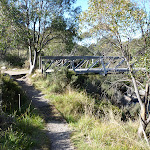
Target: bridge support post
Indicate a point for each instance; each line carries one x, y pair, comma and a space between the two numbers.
102, 62
40, 63
73, 65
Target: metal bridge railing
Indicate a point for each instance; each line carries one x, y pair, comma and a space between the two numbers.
84, 64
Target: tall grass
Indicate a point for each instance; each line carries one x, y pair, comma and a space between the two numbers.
95, 125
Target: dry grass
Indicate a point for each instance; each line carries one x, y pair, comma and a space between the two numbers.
93, 130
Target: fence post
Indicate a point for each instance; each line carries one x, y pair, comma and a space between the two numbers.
39, 62
19, 102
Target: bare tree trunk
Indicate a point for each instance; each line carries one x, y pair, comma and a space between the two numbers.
143, 105
32, 60
142, 126
141, 129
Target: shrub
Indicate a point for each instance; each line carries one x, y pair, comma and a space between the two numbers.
58, 80
10, 96
97, 123
26, 64
0, 92
14, 60
73, 105
13, 140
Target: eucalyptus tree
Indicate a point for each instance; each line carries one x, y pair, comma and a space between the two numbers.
5, 39
66, 31
121, 20
32, 19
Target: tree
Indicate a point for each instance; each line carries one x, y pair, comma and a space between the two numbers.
32, 18
65, 32
121, 20
5, 38
10, 34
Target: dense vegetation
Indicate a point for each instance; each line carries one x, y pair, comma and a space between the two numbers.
29, 29
21, 128
96, 122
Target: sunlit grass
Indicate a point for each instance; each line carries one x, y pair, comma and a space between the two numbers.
112, 134
96, 126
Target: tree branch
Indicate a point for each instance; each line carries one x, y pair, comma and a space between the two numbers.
49, 40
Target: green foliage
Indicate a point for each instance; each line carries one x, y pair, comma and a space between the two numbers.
13, 140
0, 92
63, 34
35, 24
10, 95
14, 60
23, 129
58, 24
25, 132
96, 125
73, 105
80, 50
29, 123
110, 16
58, 81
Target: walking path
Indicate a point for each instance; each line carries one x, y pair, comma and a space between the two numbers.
15, 72
56, 127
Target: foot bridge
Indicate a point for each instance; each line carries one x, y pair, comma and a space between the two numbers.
84, 64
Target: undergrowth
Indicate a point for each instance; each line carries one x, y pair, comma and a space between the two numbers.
20, 129
95, 125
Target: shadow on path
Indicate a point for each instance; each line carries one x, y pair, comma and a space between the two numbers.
56, 127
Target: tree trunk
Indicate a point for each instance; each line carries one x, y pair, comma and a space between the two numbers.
32, 60
143, 125
143, 119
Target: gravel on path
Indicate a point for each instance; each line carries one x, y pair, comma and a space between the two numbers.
56, 127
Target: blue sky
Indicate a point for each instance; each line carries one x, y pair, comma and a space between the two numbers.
82, 3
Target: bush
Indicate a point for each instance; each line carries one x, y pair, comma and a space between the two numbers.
24, 132
0, 93
73, 105
10, 96
96, 122
12, 140
58, 81
14, 60
26, 64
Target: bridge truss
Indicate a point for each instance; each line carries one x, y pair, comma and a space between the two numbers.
84, 64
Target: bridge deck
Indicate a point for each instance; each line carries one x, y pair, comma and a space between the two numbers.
94, 70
